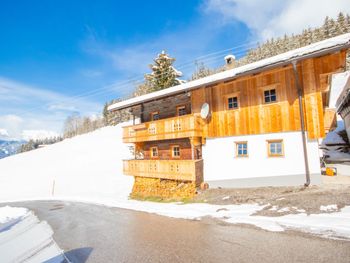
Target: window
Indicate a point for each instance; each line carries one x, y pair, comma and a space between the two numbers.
175, 151
270, 96
232, 103
181, 110
241, 149
275, 148
154, 152
155, 116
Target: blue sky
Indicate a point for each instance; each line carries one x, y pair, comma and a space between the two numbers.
57, 57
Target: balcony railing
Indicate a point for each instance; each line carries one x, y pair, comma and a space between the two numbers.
182, 170
172, 128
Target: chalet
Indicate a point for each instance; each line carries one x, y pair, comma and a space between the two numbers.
254, 125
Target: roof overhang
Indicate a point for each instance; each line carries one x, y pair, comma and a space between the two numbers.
321, 48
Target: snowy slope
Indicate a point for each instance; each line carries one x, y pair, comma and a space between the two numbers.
88, 168
85, 166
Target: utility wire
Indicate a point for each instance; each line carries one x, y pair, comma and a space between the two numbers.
205, 59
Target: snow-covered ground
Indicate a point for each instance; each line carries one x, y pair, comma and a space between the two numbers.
23, 238
88, 168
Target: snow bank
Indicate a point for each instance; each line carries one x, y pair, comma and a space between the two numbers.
88, 168
24, 238
8, 213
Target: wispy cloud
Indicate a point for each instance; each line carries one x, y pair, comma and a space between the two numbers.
271, 18
91, 73
24, 107
132, 58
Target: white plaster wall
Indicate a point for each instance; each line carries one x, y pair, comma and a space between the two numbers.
220, 162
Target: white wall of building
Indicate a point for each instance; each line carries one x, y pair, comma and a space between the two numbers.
221, 164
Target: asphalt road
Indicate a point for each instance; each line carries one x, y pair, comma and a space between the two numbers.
91, 233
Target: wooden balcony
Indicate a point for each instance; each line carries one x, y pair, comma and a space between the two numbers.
182, 170
172, 128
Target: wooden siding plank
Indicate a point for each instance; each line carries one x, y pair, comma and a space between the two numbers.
255, 117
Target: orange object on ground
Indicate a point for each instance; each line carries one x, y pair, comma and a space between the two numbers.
331, 171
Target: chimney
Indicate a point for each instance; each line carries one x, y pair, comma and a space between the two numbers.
230, 61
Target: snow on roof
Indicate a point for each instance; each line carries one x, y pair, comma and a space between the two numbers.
345, 90
338, 84
230, 56
315, 49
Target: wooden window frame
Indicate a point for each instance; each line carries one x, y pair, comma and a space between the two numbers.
270, 87
151, 152
172, 151
179, 107
154, 113
241, 155
269, 154
232, 95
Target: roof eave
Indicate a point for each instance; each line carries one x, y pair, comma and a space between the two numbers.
317, 53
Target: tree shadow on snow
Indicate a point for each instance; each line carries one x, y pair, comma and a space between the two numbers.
75, 255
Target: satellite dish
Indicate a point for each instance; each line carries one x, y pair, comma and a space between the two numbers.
205, 111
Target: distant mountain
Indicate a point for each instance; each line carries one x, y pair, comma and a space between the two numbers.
9, 147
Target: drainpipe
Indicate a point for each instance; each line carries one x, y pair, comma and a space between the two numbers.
301, 112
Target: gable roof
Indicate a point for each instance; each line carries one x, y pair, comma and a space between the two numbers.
316, 49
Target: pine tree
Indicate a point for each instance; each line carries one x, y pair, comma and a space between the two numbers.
201, 71
142, 89
326, 28
347, 23
271, 47
163, 75
105, 114
341, 21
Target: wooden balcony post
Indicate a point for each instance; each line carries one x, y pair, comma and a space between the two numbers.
192, 147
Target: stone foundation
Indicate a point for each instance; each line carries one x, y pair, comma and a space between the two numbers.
145, 188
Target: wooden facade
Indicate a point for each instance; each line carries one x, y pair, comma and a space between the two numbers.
237, 107
253, 116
